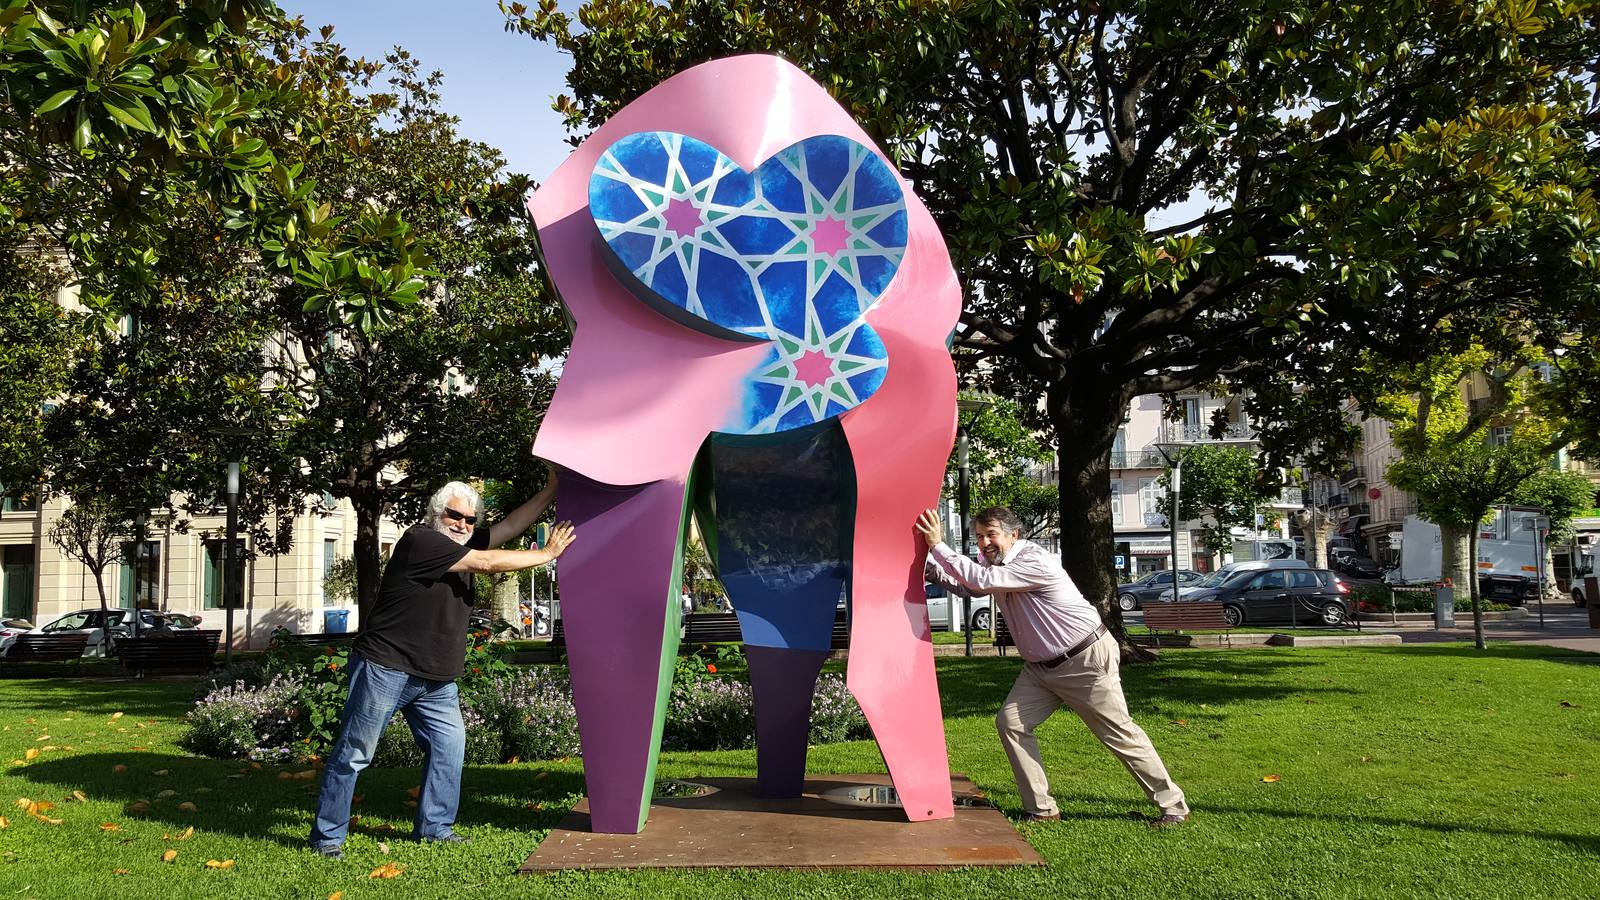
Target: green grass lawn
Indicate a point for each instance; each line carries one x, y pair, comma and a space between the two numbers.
1427, 771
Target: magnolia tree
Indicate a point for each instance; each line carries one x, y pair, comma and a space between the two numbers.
1148, 197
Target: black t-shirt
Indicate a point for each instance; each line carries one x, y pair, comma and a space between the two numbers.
418, 624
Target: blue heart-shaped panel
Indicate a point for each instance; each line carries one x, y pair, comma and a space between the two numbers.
793, 254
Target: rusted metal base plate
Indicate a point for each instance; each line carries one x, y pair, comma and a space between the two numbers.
733, 828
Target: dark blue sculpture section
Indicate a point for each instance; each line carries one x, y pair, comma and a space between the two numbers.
783, 508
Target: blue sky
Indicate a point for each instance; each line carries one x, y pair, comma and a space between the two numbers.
499, 84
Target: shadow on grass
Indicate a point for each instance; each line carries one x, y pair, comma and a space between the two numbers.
237, 799
102, 697
1495, 650
977, 686
1587, 843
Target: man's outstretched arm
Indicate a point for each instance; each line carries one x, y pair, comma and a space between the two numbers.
488, 562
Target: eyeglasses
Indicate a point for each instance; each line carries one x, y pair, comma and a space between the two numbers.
459, 516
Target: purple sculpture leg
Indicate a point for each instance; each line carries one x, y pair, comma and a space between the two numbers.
784, 681
621, 620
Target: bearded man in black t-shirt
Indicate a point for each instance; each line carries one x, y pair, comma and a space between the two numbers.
410, 652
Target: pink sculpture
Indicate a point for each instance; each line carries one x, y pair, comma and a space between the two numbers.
758, 302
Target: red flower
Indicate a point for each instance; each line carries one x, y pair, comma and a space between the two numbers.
332, 666
476, 670
711, 669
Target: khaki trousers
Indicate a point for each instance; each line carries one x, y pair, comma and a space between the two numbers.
1089, 683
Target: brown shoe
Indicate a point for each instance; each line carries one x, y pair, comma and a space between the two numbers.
1041, 817
1167, 820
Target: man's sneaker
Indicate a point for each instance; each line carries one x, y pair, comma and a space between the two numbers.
332, 851
1167, 820
1041, 817
451, 838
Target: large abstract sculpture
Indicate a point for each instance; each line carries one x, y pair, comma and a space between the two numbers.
760, 312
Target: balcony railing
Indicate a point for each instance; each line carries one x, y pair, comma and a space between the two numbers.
1182, 433
1138, 459
1291, 497
1353, 475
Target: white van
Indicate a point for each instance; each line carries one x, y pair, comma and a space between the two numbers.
1223, 574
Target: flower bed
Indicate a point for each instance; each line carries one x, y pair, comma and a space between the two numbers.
286, 707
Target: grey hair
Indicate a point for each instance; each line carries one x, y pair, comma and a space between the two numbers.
441, 497
999, 515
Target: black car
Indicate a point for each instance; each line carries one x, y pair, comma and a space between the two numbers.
1157, 586
1281, 596
1361, 567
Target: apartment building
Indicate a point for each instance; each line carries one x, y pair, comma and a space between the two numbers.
180, 571
1136, 468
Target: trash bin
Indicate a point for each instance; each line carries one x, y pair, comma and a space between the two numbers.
335, 621
1444, 606
1591, 587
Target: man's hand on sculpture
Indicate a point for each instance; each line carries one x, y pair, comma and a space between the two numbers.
928, 525
560, 537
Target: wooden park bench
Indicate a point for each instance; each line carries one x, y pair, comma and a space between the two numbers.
1002, 633
186, 651
47, 647
1177, 617
710, 628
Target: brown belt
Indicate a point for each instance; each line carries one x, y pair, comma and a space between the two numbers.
1075, 649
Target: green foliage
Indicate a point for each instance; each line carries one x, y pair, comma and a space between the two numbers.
1007, 459
1227, 485
339, 583
1562, 494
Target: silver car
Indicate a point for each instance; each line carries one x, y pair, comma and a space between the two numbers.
943, 616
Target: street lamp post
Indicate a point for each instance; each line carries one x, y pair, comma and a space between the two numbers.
1175, 460
230, 561
964, 502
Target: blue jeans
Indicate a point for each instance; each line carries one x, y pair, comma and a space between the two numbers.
432, 709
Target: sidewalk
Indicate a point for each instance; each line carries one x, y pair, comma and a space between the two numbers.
1566, 626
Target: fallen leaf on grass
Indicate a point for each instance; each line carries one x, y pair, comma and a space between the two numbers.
307, 775
219, 863
18, 762
1568, 705
284, 776
115, 716
43, 806
137, 806
80, 796
119, 871
5, 822
169, 856
110, 826
41, 738
138, 748
32, 754
186, 806
202, 790
167, 793
1366, 759
541, 776
414, 792
1180, 722
383, 847
387, 870
336, 895
160, 773
23, 803
1271, 778
119, 769
48, 820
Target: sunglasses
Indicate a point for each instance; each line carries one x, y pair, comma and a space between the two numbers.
459, 516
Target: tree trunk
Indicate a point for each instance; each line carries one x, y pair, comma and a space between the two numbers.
1472, 585
368, 556
105, 606
1457, 563
1088, 557
506, 600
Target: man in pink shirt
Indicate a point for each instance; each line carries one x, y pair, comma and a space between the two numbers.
1069, 658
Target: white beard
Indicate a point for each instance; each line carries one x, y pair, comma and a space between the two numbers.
458, 538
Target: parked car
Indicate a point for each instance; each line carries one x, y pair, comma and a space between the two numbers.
1219, 577
96, 623
1360, 567
9, 629
1280, 596
1154, 586
939, 610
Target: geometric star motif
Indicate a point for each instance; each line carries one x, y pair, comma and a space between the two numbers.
795, 253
